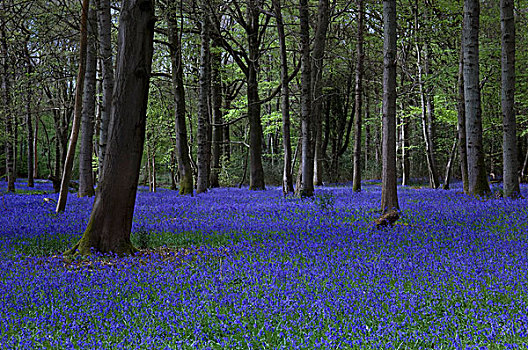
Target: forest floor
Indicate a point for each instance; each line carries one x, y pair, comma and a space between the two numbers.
233, 268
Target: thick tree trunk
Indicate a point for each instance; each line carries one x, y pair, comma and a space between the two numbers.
389, 194
287, 179
358, 124
509, 143
217, 128
323, 16
79, 87
86, 184
110, 223
256, 173
182, 147
203, 158
107, 68
307, 164
9, 130
478, 182
461, 116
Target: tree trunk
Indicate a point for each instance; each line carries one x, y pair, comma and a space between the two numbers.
110, 223
256, 174
461, 116
389, 194
307, 164
452, 155
29, 117
422, 64
35, 148
203, 158
356, 179
323, 15
478, 182
79, 87
509, 145
105, 47
217, 128
182, 148
287, 179
7, 110
86, 185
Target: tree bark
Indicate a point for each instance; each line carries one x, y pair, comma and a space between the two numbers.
29, 117
287, 179
356, 177
447, 175
478, 182
203, 158
422, 63
182, 147
110, 223
509, 143
7, 110
216, 101
105, 47
86, 185
461, 127
323, 16
79, 87
256, 174
389, 194
307, 164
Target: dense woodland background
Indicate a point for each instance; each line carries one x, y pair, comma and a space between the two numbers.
226, 90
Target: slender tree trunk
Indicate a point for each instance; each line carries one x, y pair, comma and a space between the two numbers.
323, 16
425, 101
182, 147
461, 116
509, 143
452, 155
389, 194
86, 185
217, 128
524, 171
7, 111
105, 47
358, 124
478, 182
307, 164
287, 179
35, 148
110, 223
29, 117
68, 164
204, 147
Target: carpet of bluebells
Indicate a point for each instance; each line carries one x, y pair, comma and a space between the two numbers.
267, 272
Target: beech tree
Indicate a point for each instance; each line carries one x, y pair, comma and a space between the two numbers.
86, 183
182, 147
477, 178
306, 188
287, 179
389, 194
68, 164
204, 145
107, 68
110, 222
356, 176
509, 143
